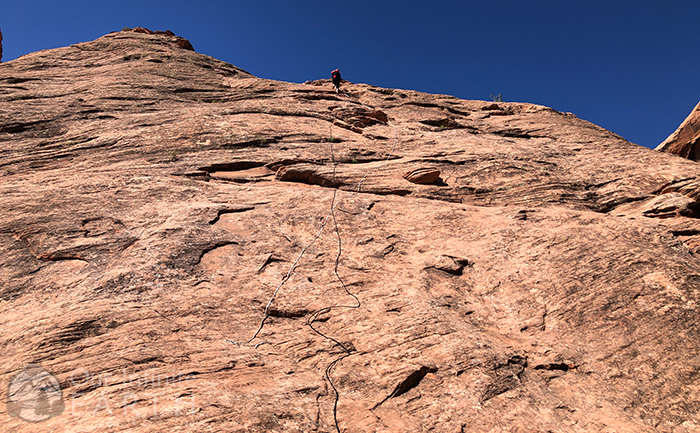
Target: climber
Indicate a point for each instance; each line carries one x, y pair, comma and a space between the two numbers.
335, 78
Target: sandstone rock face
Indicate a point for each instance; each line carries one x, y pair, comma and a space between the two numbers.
157, 205
423, 176
685, 141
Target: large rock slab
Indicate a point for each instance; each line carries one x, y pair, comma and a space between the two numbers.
685, 140
157, 205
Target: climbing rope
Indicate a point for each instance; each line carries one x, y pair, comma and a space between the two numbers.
331, 213
266, 314
315, 316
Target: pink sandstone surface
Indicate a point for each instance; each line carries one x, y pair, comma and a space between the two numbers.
467, 266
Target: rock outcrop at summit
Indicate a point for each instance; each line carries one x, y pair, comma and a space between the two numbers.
685, 141
427, 263
179, 42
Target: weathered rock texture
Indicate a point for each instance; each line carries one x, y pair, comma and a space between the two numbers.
685, 141
153, 199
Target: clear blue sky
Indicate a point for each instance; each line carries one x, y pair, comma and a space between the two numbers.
630, 66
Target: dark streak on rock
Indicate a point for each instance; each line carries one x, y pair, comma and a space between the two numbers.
408, 384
